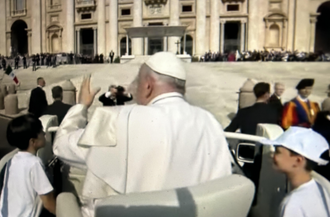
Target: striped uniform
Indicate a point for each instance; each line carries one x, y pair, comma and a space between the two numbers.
299, 113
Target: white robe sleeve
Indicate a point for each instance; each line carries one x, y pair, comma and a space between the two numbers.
67, 137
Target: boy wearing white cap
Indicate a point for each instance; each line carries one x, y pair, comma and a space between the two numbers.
297, 152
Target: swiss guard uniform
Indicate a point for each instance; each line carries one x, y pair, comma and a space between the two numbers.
300, 112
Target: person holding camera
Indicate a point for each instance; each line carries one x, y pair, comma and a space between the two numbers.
115, 96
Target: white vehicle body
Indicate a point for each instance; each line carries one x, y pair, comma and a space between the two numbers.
231, 196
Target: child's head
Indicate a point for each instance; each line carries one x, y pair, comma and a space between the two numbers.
299, 149
287, 161
26, 132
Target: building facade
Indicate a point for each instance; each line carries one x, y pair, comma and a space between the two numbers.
99, 26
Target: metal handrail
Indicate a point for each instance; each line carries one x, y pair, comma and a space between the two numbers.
242, 136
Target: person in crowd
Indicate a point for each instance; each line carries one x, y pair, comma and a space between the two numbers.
24, 62
38, 101
151, 136
54, 57
25, 178
38, 59
34, 62
42, 58
49, 60
275, 100
71, 57
297, 152
111, 55
96, 59
58, 108
4, 63
248, 118
115, 96
300, 111
326, 102
322, 126
16, 62
101, 58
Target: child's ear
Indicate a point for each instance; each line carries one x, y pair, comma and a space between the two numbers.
300, 160
32, 141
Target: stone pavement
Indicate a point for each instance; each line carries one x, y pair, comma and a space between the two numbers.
212, 86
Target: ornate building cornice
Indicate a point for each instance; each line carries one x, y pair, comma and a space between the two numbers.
85, 5
232, 1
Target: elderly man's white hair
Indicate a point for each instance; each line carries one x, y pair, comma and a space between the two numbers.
278, 84
167, 68
178, 84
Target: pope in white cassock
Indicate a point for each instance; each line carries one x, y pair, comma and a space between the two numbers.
161, 143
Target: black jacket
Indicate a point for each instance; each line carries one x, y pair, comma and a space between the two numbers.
38, 102
276, 103
59, 109
120, 100
248, 118
322, 126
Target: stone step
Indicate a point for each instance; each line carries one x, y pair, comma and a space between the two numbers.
138, 60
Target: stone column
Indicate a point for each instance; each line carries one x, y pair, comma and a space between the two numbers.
291, 24
200, 27
242, 36
3, 28
78, 41
312, 39
95, 41
113, 26
174, 21
101, 27
137, 43
222, 36
146, 46
43, 26
165, 43
184, 44
302, 28
127, 45
253, 26
48, 43
70, 15
8, 43
36, 26
215, 26
30, 42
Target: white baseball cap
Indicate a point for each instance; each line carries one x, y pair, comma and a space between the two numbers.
167, 63
303, 141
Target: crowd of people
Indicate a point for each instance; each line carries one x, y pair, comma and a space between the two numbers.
163, 142
52, 60
265, 56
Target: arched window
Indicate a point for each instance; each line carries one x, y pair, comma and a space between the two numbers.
322, 30
189, 45
123, 47
274, 35
55, 44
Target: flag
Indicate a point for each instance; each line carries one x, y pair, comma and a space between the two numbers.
9, 72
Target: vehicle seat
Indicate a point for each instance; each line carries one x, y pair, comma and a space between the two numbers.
230, 196
46, 153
